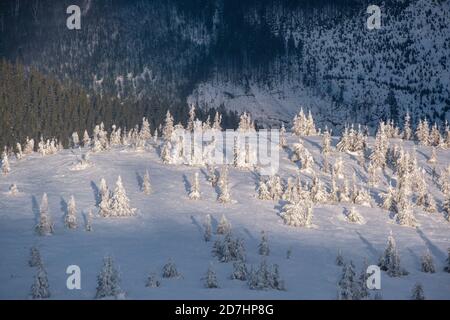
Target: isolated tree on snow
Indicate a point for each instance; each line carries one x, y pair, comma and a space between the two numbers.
224, 226
263, 248
108, 281
224, 196
338, 168
89, 218
407, 132
423, 132
348, 284
417, 292
208, 228
429, 204
105, 199
153, 281
433, 157
45, 225
146, 186
427, 264
339, 259
353, 215
71, 216
390, 261
40, 287
13, 190
170, 270
263, 191
19, 153
195, 188
211, 278
35, 258
120, 204
326, 142
5, 163
283, 140
145, 132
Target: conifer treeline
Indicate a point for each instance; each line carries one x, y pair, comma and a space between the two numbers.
33, 105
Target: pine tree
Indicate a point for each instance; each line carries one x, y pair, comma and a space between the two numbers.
354, 216
108, 281
338, 168
19, 153
240, 271
105, 199
429, 204
390, 261
339, 259
45, 225
195, 188
224, 196
326, 142
224, 226
86, 139
153, 281
433, 157
210, 278
263, 191
348, 285
75, 140
190, 124
417, 292
35, 258
170, 270
404, 211
423, 132
146, 186
427, 264
407, 132
283, 140
145, 132
363, 276
89, 218
217, 122
120, 204
5, 163
208, 228
298, 214
71, 216
40, 287
263, 248
168, 127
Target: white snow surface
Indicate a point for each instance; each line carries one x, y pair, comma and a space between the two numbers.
170, 225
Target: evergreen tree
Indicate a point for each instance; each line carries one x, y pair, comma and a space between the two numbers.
363, 276
348, 284
224, 226
71, 216
89, 218
170, 270
407, 132
86, 139
240, 271
417, 292
145, 132
105, 199
263, 248
45, 225
390, 261
263, 191
35, 258
120, 204
195, 188
5, 163
168, 127
298, 214
108, 281
40, 287
354, 216
211, 278
427, 264
146, 186
153, 281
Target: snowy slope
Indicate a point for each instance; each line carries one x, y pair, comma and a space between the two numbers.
169, 225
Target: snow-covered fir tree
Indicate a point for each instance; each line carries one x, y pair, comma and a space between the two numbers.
166, 155
326, 142
146, 186
283, 140
302, 155
89, 218
429, 204
115, 136
298, 214
433, 157
35, 258
318, 192
338, 168
423, 132
40, 288
339, 259
229, 249
303, 125
145, 132
240, 271
427, 263
104, 199
353, 215
19, 153
75, 140
405, 215
224, 226
378, 155
168, 127
344, 192
362, 281
388, 198
194, 194
435, 137
265, 277
153, 281
108, 281
212, 177
263, 191
275, 187
210, 278
5, 163
45, 225
29, 146
348, 288
263, 247
390, 260
407, 132
170, 270
225, 196
120, 203
86, 139
217, 121
417, 292
207, 234
70, 219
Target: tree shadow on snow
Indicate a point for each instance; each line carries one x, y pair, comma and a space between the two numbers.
35, 209
63, 204
198, 225
433, 249
187, 184
96, 192
139, 180
373, 251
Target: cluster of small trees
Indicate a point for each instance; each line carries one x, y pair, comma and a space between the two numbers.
116, 203
303, 125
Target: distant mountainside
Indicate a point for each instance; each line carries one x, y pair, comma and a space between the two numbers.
266, 56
